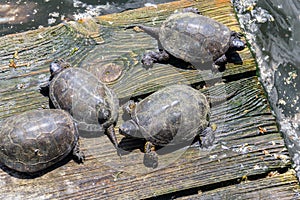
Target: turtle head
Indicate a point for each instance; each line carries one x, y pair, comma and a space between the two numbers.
236, 44
130, 129
57, 66
104, 113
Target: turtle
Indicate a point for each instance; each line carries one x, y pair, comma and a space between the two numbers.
34, 140
93, 106
195, 39
172, 115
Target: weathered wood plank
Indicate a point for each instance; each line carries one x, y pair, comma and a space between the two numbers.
277, 187
241, 148
90, 46
162, 74
32, 52
231, 159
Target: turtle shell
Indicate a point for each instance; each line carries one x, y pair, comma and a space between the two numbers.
35, 140
172, 115
80, 93
194, 38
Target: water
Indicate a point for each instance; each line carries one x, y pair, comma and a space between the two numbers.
22, 15
272, 28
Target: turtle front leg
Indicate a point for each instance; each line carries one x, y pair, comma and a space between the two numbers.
152, 57
234, 57
129, 106
79, 155
207, 138
44, 89
150, 157
220, 64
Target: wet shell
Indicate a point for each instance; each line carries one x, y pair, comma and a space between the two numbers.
35, 140
81, 93
194, 38
172, 115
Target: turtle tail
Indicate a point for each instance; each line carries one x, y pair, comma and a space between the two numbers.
152, 31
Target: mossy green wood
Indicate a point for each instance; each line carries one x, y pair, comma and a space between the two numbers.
242, 146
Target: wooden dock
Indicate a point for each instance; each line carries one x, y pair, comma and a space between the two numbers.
249, 159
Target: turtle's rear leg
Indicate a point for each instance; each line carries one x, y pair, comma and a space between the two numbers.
79, 155
152, 57
150, 157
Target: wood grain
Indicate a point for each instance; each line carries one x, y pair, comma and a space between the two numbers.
277, 186
248, 142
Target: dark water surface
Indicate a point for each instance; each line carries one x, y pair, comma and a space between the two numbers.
272, 28
22, 15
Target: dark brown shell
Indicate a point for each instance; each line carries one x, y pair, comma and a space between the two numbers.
172, 115
35, 140
194, 38
79, 92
